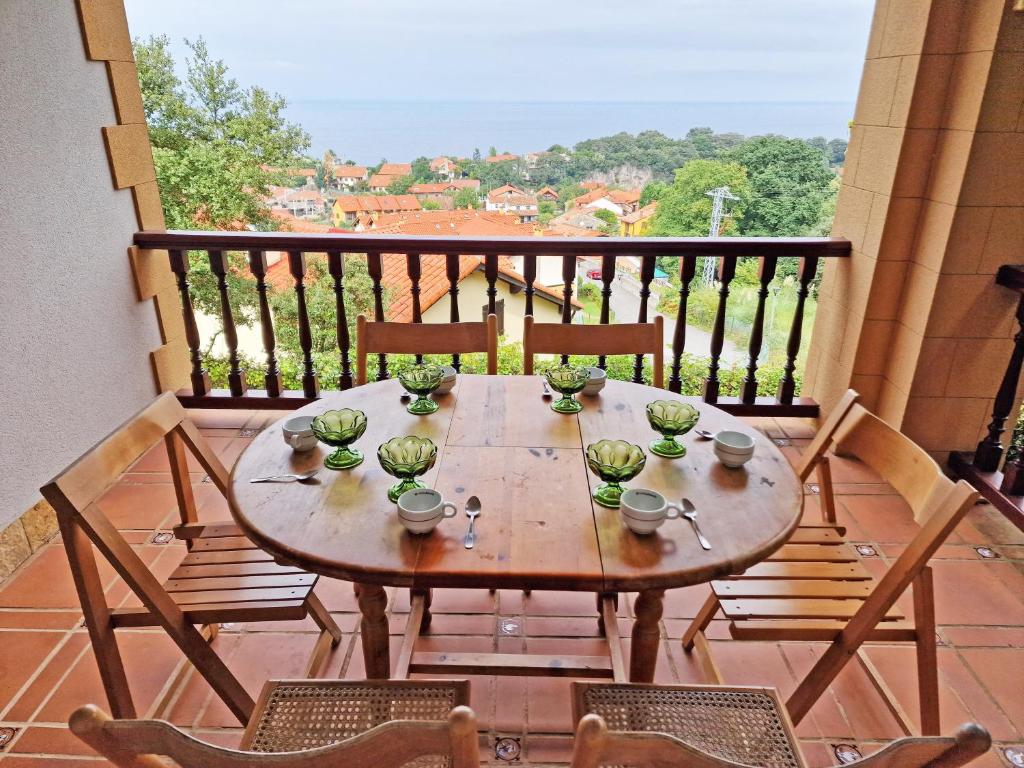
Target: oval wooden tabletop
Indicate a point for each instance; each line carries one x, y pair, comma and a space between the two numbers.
498, 439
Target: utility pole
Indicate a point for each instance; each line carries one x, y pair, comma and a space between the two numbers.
718, 196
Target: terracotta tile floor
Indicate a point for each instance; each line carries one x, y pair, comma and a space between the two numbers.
47, 668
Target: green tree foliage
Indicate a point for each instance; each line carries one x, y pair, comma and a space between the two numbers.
685, 209
545, 211
611, 223
466, 198
789, 181
430, 205
648, 149
400, 186
421, 172
652, 191
710, 145
569, 191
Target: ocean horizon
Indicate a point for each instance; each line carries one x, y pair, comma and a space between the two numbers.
369, 131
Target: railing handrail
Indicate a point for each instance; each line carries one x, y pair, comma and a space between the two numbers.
729, 247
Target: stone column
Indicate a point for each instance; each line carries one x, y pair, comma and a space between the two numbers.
933, 202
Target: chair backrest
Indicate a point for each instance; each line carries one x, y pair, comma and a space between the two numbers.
425, 339
595, 746
823, 437
611, 339
137, 743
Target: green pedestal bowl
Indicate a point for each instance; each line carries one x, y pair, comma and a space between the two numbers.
614, 461
406, 458
339, 429
671, 418
567, 380
421, 380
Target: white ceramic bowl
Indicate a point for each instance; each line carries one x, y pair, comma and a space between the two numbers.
734, 449
298, 433
447, 381
595, 381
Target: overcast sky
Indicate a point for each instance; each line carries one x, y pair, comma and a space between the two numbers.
526, 50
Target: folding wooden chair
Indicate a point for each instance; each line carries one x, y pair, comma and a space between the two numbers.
223, 578
615, 339
815, 589
723, 727
425, 339
310, 724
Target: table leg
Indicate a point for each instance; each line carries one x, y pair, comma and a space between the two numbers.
600, 615
643, 654
373, 603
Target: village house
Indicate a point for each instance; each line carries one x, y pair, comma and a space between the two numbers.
637, 223
509, 199
548, 194
348, 209
388, 173
502, 158
618, 201
302, 203
347, 176
443, 167
580, 218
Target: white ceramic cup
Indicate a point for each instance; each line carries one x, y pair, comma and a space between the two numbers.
733, 449
643, 510
447, 381
421, 509
298, 433
596, 379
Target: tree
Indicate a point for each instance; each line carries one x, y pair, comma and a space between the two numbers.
466, 198
400, 186
421, 172
653, 191
685, 208
476, 155
611, 222
430, 205
545, 211
492, 152
569, 191
789, 181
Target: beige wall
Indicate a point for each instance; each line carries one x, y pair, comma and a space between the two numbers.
473, 298
76, 341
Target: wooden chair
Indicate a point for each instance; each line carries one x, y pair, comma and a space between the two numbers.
814, 588
310, 724
615, 339
223, 578
425, 339
719, 727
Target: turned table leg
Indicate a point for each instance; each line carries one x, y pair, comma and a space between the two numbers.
373, 603
643, 654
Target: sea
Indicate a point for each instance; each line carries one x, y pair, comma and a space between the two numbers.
399, 131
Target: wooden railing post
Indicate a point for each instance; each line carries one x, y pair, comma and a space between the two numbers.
726, 272
297, 266
787, 386
336, 266
236, 375
990, 450
530, 276
568, 278
272, 379
766, 272
687, 270
200, 377
607, 278
647, 265
414, 270
376, 270
491, 273
452, 268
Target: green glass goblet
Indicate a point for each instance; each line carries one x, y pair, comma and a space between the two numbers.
406, 458
421, 380
567, 380
671, 418
614, 461
339, 429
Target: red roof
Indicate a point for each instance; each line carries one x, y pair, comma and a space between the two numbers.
376, 203
624, 196
591, 196
395, 169
431, 189
547, 192
349, 172
501, 158
381, 180
439, 162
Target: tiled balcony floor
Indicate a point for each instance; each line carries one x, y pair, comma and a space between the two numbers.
46, 665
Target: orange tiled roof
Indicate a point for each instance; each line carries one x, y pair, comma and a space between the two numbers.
349, 172
569, 230
624, 196
439, 162
395, 169
640, 214
381, 180
431, 188
501, 158
591, 196
288, 223
465, 183
376, 203
546, 191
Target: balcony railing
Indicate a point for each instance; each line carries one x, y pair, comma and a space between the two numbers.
684, 251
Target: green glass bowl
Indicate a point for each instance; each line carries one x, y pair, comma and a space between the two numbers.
339, 429
615, 462
671, 418
421, 380
567, 380
406, 458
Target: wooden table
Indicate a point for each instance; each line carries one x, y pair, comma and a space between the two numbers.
538, 529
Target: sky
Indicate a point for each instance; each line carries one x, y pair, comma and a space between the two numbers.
528, 50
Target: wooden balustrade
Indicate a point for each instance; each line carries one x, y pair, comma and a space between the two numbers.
1002, 486
416, 250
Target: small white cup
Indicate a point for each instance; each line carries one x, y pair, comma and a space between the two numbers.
596, 379
447, 381
298, 433
643, 511
734, 449
421, 509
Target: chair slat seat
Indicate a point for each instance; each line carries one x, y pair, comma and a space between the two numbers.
796, 570
808, 608
816, 534
815, 553
762, 588
810, 630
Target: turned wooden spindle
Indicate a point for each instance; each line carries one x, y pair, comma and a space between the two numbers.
990, 450
687, 270
726, 272
310, 382
414, 269
452, 268
375, 268
336, 265
607, 277
805, 274
236, 374
373, 626
647, 266
766, 273
272, 380
199, 376
491, 273
530, 276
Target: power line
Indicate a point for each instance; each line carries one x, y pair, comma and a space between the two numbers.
718, 196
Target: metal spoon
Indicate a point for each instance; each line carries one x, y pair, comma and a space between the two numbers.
690, 513
706, 434
472, 510
301, 478
547, 391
